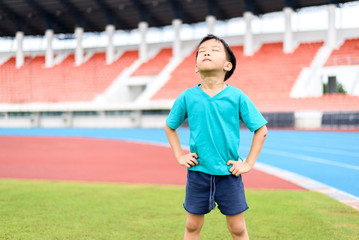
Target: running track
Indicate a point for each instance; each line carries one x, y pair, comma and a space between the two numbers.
331, 158
102, 160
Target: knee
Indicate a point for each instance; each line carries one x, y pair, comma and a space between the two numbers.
193, 226
237, 229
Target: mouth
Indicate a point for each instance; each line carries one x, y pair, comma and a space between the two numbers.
206, 59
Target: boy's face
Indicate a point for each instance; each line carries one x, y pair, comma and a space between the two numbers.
212, 57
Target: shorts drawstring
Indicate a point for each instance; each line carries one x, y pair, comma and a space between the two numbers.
212, 192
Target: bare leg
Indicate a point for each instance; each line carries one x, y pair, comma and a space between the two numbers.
193, 226
237, 227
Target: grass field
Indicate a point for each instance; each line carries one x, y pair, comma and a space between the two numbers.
68, 210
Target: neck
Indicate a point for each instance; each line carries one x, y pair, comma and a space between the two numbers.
212, 83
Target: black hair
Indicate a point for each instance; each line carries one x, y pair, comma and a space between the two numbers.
229, 53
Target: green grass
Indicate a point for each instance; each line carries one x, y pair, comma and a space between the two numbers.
66, 210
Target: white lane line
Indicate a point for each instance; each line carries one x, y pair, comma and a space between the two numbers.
320, 150
310, 184
310, 159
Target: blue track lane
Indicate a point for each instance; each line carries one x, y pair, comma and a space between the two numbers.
331, 158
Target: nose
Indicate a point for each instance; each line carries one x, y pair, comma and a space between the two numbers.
206, 54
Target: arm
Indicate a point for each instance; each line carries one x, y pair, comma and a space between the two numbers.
256, 147
186, 160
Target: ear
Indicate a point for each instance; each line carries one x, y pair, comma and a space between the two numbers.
228, 66
196, 70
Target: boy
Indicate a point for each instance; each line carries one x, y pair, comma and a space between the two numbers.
214, 109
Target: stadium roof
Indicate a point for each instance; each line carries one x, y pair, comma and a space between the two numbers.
33, 17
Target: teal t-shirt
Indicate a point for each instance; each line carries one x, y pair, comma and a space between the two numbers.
214, 125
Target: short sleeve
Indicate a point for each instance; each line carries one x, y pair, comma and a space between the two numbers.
178, 113
250, 115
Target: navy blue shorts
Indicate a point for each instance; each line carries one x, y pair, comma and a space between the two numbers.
203, 191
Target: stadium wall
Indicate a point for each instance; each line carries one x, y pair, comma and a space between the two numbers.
156, 119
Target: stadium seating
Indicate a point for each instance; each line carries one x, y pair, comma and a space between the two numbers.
155, 65
270, 74
267, 77
64, 82
347, 54
182, 77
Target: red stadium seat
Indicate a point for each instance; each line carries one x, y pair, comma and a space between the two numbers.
182, 77
155, 65
64, 82
347, 54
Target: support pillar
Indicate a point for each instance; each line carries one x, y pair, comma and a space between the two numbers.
332, 31
79, 51
248, 37
110, 50
49, 56
176, 48
19, 51
211, 21
143, 26
288, 44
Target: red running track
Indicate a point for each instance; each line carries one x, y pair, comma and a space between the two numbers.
103, 160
